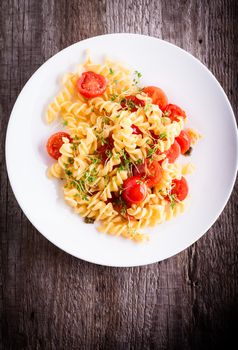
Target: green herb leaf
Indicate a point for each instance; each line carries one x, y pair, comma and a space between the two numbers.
152, 151
123, 210
111, 71
101, 138
137, 76
166, 114
108, 153
106, 120
79, 185
113, 97
130, 104
162, 120
68, 172
172, 198
96, 160
139, 182
126, 163
121, 167
163, 135
147, 107
117, 155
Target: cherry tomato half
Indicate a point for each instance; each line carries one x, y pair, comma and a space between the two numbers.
152, 172
55, 142
174, 112
132, 103
134, 190
158, 96
184, 141
180, 188
173, 152
136, 130
91, 84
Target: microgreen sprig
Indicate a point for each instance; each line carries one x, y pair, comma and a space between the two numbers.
173, 200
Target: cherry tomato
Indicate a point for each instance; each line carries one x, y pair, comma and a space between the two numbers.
158, 96
180, 188
136, 130
91, 84
55, 142
155, 173
174, 112
173, 152
134, 190
132, 103
151, 171
184, 141
105, 148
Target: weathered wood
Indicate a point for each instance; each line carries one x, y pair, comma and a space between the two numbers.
50, 300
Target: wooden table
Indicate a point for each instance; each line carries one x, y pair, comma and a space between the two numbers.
50, 300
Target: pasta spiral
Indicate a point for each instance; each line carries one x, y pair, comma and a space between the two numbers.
55, 107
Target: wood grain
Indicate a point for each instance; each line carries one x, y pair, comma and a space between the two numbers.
50, 300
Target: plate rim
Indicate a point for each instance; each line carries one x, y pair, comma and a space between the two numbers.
18, 197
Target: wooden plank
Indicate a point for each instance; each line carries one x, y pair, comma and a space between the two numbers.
50, 300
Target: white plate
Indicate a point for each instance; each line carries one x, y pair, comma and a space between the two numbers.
187, 83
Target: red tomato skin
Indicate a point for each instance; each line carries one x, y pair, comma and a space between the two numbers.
139, 170
184, 141
106, 147
154, 136
180, 188
155, 172
137, 102
150, 171
134, 190
173, 152
158, 96
102, 151
174, 112
55, 142
91, 84
136, 130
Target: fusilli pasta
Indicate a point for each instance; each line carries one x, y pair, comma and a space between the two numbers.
115, 159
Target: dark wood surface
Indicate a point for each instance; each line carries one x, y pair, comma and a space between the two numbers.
50, 300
